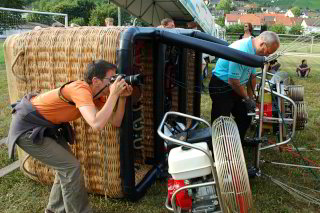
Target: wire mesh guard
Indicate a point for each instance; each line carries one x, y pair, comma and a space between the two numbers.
231, 167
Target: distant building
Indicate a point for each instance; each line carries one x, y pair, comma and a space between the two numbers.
289, 14
311, 25
259, 19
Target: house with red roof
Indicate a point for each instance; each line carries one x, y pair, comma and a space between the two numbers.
259, 19
311, 25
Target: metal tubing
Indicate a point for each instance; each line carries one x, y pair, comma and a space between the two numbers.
280, 114
276, 120
294, 165
294, 121
263, 81
173, 199
38, 12
32, 11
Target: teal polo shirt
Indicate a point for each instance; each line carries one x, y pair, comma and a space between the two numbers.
227, 69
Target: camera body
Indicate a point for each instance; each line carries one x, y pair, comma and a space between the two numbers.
134, 80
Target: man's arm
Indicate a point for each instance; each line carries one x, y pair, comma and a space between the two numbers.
98, 119
117, 116
234, 79
237, 87
251, 85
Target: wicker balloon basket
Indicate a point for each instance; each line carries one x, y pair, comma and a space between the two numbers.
45, 59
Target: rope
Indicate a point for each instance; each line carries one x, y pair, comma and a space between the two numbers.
305, 160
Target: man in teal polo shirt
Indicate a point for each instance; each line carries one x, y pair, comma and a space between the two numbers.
232, 84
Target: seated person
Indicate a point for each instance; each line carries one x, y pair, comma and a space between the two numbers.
274, 66
303, 69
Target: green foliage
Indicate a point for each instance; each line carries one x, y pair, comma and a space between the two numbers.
235, 28
296, 11
81, 12
1, 53
10, 20
278, 28
79, 21
264, 27
74, 9
17, 4
296, 30
225, 5
286, 4
220, 21
103, 11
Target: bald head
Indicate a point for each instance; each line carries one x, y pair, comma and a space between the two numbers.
266, 43
270, 38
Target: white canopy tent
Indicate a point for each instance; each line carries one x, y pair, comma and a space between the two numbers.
153, 11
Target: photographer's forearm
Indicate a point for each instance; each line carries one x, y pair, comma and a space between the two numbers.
98, 119
117, 116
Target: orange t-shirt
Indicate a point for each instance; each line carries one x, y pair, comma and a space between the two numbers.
55, 110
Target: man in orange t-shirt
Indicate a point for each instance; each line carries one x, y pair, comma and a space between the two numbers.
35, 115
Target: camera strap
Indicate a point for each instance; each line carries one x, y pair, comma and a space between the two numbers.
62, 97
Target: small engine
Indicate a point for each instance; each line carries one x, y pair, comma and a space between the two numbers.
189, 167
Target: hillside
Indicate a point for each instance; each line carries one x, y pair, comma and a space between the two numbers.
311, 4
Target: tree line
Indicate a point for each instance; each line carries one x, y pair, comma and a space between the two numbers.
80, 12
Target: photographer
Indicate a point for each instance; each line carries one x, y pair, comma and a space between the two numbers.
229, 79
40, 127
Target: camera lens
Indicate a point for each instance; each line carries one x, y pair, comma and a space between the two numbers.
134, 80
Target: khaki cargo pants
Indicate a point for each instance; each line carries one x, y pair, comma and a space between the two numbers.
68, 193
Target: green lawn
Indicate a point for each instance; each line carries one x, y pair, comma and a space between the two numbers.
311, 4
1, 53
20, 194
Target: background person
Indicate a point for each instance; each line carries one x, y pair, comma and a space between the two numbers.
274, 66
40, 127
247, 28
229, 80
303, 69
167, 23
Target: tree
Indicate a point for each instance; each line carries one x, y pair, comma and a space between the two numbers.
220, 21
78, 11
278, 28
296, 30
235, 28
78, 21
224, 5
10, 20
103, 11
16, 4
295, 11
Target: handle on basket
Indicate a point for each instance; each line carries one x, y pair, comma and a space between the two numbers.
20, 53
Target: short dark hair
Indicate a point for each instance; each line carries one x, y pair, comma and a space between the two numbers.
98, 69
166, 21
303, 60
249, 26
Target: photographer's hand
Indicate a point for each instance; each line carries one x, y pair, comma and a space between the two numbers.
127, 92
118, 86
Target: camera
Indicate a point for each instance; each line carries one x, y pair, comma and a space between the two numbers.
133, 80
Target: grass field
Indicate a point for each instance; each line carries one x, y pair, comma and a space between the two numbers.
20, 194
311, 4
